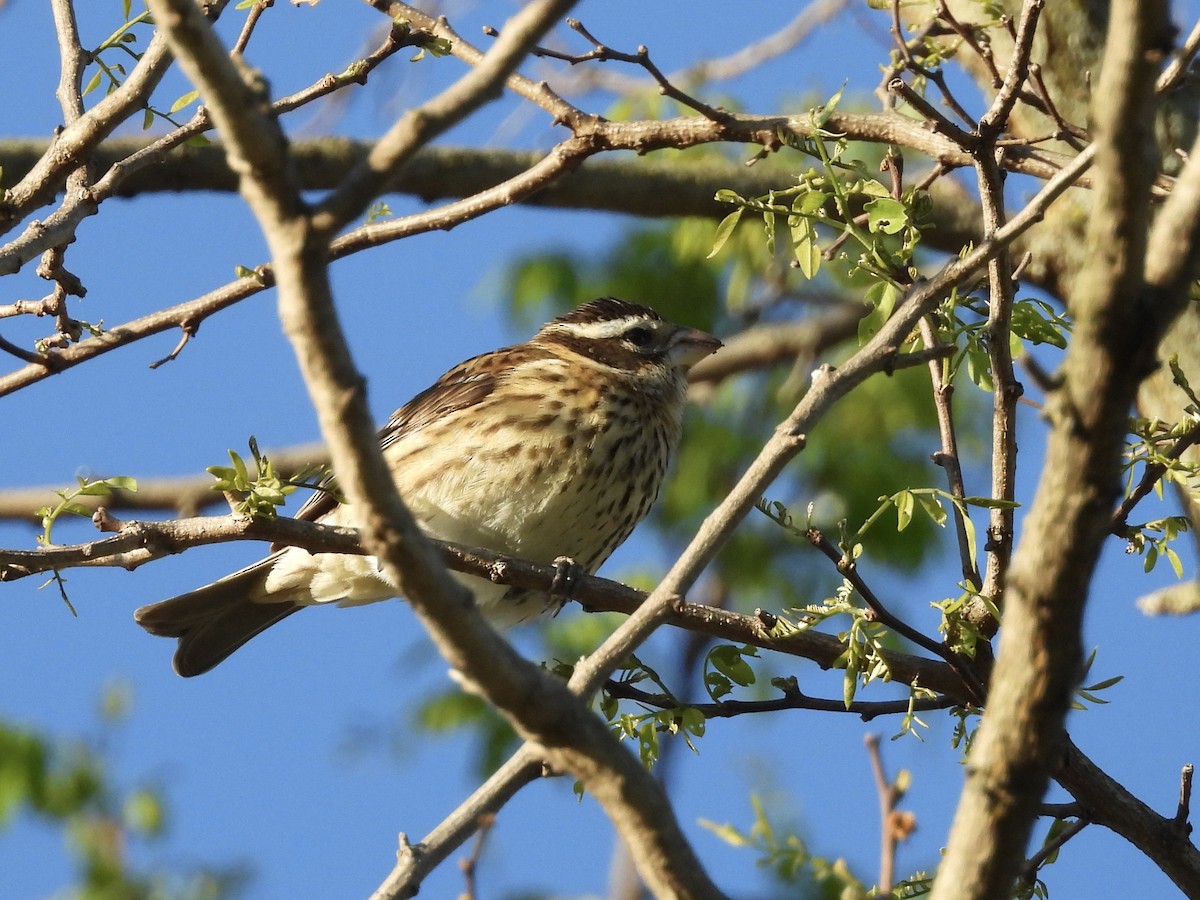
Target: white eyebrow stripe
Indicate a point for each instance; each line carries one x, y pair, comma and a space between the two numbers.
601, 330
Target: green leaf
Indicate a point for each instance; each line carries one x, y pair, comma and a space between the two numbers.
693, 721
93, 83
933, 508
1173, 559
143, 813
239, 466
882, 295
1105, 684
648, 743
905, 502
122, 483
725, 229
730, 662
991, 503
186, 100
1036, 322
728, 833
886, 214
810, 202
822, 113
1180, 379
94, 489
717, 685
969, 528
850, 682
805, 249
608, 706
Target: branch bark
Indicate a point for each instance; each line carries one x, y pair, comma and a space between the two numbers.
542, 709
1117, 330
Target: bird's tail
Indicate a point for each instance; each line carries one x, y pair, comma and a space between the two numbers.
213, 621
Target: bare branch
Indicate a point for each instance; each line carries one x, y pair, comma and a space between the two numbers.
78, 139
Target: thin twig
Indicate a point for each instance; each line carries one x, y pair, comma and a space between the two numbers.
894, 826
1033, 865
188, 330
470, 865
1150, 477
849, 571
947, 456
1175, 72
995, 119
792, 698
600, 52
256, 10
937, 121
1183, 811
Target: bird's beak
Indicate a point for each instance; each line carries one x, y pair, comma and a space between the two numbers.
688, 346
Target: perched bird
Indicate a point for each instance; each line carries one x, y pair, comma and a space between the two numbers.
552, 448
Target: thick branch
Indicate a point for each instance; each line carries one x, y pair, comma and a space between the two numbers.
540, 707
1112, 348
1162, 838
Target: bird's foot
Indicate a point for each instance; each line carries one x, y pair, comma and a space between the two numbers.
567, 573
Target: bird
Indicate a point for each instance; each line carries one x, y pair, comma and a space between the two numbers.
549, 450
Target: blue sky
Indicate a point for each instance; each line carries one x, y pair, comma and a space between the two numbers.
253, 757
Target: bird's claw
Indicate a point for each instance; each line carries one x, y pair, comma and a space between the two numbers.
567, 573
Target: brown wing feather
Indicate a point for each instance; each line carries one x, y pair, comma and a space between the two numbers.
465, 385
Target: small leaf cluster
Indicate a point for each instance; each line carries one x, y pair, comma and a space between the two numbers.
1155, 440
78, 326
120, 40
788, 857
1152, 540
962, 634
724, 666
258, 492
966, 721
424, 41
961, 321
112, 72
645, 727
68, 500
1089, 692
1033, 886
841, 204
929, 501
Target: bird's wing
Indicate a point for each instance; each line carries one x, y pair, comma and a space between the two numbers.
465, 385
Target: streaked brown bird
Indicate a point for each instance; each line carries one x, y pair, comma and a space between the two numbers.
552, 448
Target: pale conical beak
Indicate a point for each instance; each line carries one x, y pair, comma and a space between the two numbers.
688, 346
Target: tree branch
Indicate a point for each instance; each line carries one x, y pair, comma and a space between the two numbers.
1112, 349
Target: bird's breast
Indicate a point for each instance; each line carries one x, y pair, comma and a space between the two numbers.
541, 474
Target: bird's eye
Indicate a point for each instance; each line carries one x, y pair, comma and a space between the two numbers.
639, 336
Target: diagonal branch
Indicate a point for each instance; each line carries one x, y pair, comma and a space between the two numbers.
541, 708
